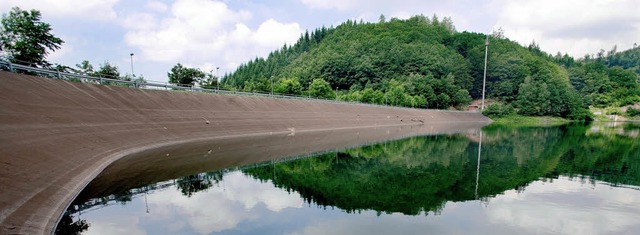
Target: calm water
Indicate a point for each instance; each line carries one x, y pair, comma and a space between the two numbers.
546, 180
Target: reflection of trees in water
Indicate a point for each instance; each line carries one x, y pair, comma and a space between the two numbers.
606, 156
421, 174
191, 184
68, 226
187, 185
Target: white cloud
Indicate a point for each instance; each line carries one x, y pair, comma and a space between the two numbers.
337, 4
574, 26
567, 207
157, 6
60, 53
272, 33
203, 32
139, 21
226, 206
118, 225
85, 9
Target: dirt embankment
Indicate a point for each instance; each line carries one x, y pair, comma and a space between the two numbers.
55, 136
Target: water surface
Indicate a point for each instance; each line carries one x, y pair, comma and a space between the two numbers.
499, 180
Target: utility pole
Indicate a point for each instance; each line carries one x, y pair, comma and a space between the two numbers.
484, 78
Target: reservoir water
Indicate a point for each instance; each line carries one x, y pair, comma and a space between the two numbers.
574, 179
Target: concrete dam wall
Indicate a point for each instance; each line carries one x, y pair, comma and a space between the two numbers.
56, 136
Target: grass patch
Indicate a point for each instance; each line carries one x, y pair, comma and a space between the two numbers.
518, 120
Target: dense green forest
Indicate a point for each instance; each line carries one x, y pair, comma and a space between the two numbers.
424, 62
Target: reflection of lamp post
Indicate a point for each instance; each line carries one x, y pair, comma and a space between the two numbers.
218, 78
132, 74
146, 204
478, 167
484, 78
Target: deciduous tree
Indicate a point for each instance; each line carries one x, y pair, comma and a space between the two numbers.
184, 75
26, 39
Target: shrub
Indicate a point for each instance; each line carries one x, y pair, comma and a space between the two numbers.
631, 112
498, 110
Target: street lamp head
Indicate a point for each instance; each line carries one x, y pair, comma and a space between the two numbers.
131, 54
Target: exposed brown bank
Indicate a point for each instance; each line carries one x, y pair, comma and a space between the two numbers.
56, 136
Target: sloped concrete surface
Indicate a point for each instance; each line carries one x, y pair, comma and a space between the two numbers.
56, 136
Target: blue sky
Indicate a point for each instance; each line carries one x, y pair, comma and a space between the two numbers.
222, 33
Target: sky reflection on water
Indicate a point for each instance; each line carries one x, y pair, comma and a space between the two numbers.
556, 180
243, 205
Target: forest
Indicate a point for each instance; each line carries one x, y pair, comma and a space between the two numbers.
423, 62
420, 62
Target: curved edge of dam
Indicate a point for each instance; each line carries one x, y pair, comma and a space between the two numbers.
56, 136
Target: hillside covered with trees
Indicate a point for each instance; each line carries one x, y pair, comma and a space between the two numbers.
424, 62
420, 62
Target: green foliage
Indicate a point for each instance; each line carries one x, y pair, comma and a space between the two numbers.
372, 96
321, 89
26, 39
419, 62
533, 97
370, 55
85, 68
498, 110
185, 76
107, 70
423, 62
611, 80
631, 112
289, 87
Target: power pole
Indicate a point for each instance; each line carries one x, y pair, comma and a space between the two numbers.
484, 78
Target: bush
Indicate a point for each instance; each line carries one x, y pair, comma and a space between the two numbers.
613, 111
631, 112
499, 110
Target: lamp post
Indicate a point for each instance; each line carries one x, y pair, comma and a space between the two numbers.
271, 85
484, 78
132, 74
211, 77
309, 90
218, 78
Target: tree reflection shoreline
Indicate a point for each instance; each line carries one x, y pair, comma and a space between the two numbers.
419, 175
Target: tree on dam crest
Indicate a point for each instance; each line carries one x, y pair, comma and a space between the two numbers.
26, 39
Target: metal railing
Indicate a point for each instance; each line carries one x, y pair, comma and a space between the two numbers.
154, 85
